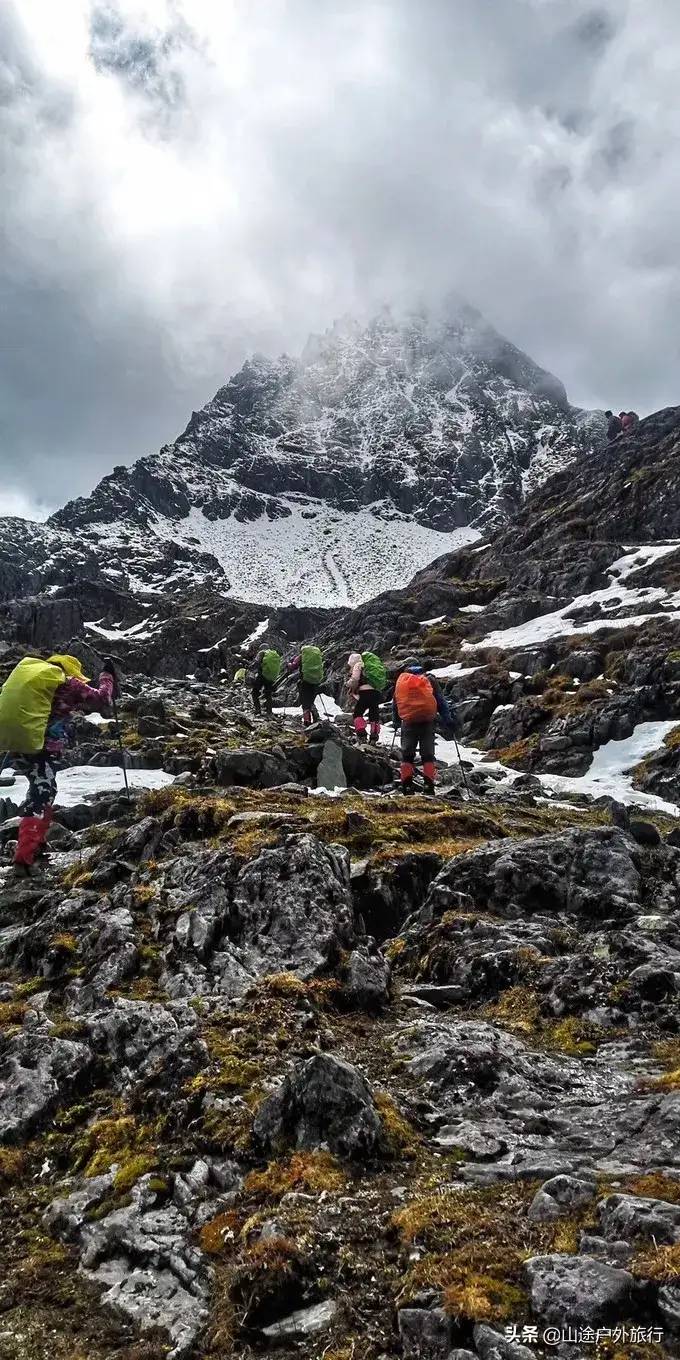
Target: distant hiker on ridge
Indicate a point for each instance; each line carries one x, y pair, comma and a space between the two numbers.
614, 426
366, 681
629, 419
261, 679
308, 666
417, 701
36, 701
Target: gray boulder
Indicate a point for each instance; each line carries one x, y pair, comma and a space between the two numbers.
251, 768
425, 1333
367, 980
566, 1287
558, 1197
143, 1256
305, 1322
491, 1345
669, 1307
324, 1102
586, 873
146, 1039
38, 1074
631, 1216
292, 907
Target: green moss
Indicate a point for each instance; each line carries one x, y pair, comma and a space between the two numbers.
122, 1140
65, 943
219, 1233
401, 1137
518, 754
76, 877
655, 1185
132, 1170
26, 989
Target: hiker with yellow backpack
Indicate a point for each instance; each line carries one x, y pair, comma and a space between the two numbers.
36, 702
366, 683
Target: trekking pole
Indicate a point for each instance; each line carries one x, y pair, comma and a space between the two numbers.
122, 749
467, 786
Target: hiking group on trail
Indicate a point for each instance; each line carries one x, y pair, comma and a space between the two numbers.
417, 702
40, 696
36, 702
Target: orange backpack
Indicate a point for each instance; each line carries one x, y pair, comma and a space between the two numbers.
415, 698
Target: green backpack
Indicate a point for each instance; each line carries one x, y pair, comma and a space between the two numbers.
311, 665
374, 670
271, 666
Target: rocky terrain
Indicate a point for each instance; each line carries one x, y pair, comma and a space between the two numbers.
294, 1068
291, 1065
311, 482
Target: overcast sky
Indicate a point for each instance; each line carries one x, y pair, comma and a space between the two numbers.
184, 181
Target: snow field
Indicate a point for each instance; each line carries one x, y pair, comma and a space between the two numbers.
316, 556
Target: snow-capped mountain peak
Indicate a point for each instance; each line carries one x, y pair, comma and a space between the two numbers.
326, 479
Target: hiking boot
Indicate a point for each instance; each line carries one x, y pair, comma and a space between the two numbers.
407, 787
429, 787
361, 738
373, 739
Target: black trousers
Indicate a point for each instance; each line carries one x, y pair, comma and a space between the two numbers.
307, 693
259, 687
418, 734
368, 701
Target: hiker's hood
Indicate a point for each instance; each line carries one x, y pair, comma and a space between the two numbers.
69, 664
354, 659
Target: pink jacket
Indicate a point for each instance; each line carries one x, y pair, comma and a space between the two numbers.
74, 695
356, 680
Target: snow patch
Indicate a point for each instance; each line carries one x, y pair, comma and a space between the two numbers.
76, 783
256, 633
609, 771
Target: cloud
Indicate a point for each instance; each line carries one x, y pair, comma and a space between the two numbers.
189, 180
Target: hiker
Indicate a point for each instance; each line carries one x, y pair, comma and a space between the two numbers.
629, 420
308, 666
614, 426
417, 701
366, 682
262, 678
36, 702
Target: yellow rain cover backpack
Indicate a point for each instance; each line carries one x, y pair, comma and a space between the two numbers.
26, 701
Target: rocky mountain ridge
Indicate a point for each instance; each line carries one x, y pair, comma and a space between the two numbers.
319, 481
